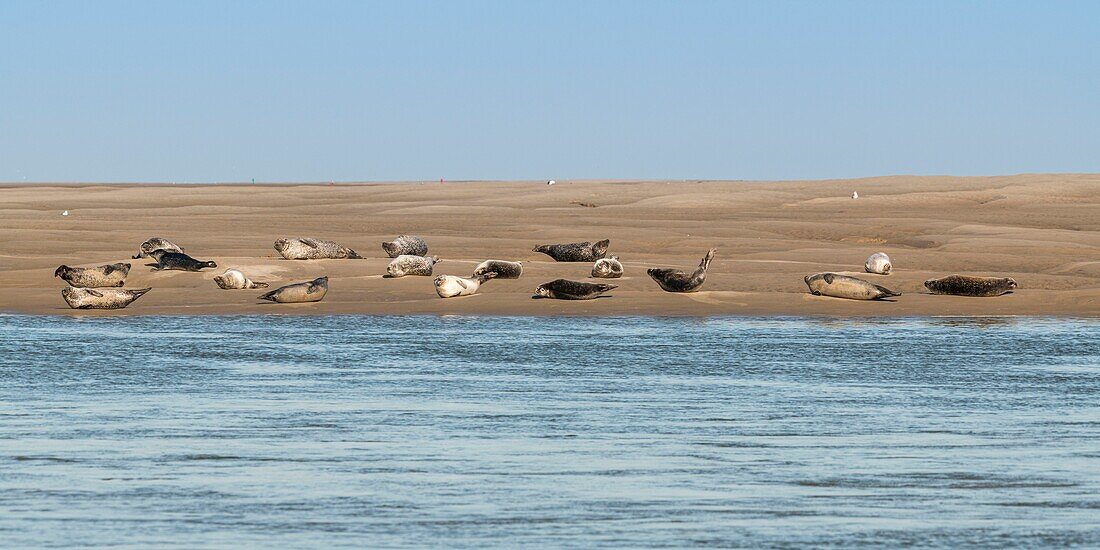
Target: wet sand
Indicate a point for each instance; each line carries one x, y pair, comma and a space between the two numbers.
1043, 230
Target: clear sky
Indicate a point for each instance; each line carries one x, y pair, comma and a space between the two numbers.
317, 91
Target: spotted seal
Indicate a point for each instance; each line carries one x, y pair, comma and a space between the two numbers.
878, 263
145, 250
564, 289
310, 291
407, 264
607, 268
575, 252
410, 245
94, 277
843, 286
675, 280
234, 279
178, 261
100, 298
308, 248
965, 285
503, 269
449, 286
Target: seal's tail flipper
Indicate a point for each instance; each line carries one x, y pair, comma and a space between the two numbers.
887, 292
259, 285
607, 288
354, 255
140, 292
270, 296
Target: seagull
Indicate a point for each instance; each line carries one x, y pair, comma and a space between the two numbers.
65, 213
551, 182
855, 195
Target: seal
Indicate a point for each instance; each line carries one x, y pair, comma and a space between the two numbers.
607, 268
94, 277
449, 286
878, 263
843, 286
675, 280
965, 285
310, 291
100, 298
308, 248
564, 289
406, 245
575, 252
502, 268
234, 279
145, 250
178, 261
406, 264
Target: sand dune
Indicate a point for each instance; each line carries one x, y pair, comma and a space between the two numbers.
1043, 230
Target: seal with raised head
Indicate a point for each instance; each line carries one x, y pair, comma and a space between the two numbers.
94, 277
310, 291
407, 264
675, 280
878, 263
234, 279
575, 252
410, 245
308, 248
844, 286
607, 268
965, 285
100, 298
564, 289
178, 261
145, 250
502, 268
449, 286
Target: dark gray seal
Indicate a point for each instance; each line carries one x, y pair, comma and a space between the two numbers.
308, 248
178, 261
502, 269
100, 298
146, 249
94, 277
311, 291
575, 252
564, 289
843, 286
965, 285
410, 245
607, 268
675, 280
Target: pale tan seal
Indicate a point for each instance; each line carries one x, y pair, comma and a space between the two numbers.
308, 248
449, 286
94, 277
100, 298
878, 263
311, 291
234, 279
406, 264
607, 268
843, 286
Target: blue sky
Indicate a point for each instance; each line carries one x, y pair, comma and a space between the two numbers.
318, 91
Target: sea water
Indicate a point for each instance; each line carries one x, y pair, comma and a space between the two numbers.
547, 432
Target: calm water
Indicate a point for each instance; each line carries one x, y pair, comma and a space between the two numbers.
427, 431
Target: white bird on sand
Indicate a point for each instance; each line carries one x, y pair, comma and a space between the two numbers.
551, 182
855, 195
65, 213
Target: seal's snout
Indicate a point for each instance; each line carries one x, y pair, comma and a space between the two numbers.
1011, 283
60, 271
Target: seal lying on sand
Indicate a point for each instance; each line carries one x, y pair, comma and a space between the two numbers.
156, 243
575, 252
178, 261
406, 244
449, 286
312, 291
503, 269
879, 263
234, 279
94, 277
406, 264
308, 248
964, 285
607, 268
100, 298
675, 280
564, 289
843, 286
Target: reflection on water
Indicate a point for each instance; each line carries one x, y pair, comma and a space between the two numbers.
459, 431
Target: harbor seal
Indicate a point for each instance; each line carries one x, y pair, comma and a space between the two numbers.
575, 252
502, 268
406, 264
675, 280
145, 250
843, 286
94, 277
178, 261
878, 263
449, 286
607, 268
234, 279
100, 298
965, 285
310, 291
406, 245
564, 289
308, 248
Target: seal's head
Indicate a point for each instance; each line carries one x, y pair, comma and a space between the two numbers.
542, 248
281, 245
209, 264
390, 248
1011, 283
542, 291
62, 271
600, 248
